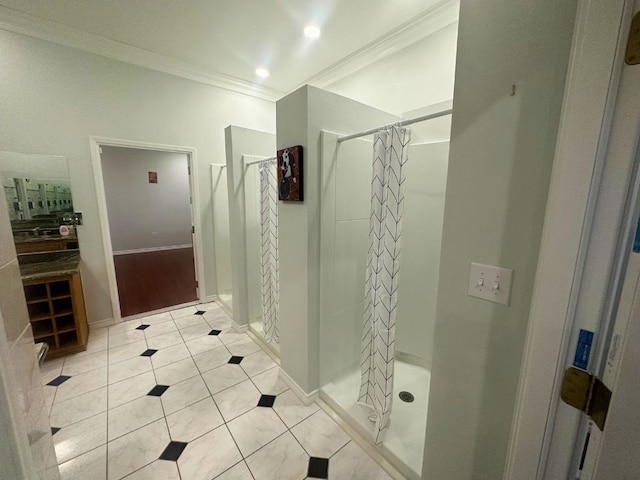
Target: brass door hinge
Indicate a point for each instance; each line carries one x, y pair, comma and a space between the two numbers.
586, 392
632, 56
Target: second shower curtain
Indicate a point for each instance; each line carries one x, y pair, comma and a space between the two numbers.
382, 274
269, 250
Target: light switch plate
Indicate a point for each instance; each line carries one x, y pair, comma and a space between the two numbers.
490, 283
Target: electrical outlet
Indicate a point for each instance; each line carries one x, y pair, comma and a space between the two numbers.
490, 283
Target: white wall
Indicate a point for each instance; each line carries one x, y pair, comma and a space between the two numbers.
420, 258
221, 234
502, 149
141, 214
54, 98
419, 75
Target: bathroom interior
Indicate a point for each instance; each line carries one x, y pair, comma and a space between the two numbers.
295, 275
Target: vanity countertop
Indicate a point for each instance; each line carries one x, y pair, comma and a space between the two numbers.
49, 264
43, 238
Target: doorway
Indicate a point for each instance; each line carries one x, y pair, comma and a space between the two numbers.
148, 216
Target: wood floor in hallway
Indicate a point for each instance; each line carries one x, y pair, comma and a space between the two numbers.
154, 280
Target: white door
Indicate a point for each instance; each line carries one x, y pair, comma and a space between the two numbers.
607, 310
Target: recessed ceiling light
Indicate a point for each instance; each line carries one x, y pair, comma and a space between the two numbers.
262, 72
311, 31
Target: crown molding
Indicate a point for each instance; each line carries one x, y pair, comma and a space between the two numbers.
32, 26
439, 16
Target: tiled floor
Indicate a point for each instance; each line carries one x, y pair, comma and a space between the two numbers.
182, 396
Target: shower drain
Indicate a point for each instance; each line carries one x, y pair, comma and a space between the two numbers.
406, 397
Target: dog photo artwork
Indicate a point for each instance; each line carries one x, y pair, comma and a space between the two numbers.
290, 186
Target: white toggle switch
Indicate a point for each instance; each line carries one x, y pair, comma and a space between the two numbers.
490, 283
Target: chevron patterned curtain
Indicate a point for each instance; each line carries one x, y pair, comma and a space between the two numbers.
269, 250
381, 283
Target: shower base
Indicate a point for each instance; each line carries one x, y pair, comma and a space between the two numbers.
405, 437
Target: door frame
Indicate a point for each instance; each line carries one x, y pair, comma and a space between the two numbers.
95, 144
587, 112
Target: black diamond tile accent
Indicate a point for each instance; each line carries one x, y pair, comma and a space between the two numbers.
54, 430
318, 467
158, 390
215, 332
235, 360
173, 451
142, 327
148, 353
266, 400
59, 380
200, 312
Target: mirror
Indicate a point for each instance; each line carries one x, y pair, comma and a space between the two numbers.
38, 194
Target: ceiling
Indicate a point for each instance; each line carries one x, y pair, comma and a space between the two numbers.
230, 38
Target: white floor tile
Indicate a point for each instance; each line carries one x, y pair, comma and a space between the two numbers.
183, 312
207, 307
125, 338
353, 463
282, 459
176, 372
136, 449
255, 429
243, 347
203, 343
212, 359
80, 437
51, 369
49, 394
220, 322
270, 382
193, 421
165, 340
80, 384
76, 365
91, 465
129, 368
78, 408
157, 318
209, 455
123, 327
237, 400
239, 471
125, 352
197, 331
133, 415
130, 389
291, 410
160, 329
231, 336
256, 362
158, 470
184, 394
169, 355
96, 342
190, 321
223, 377
320, 435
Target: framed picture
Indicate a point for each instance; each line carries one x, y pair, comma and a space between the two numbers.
290, 179
153, 177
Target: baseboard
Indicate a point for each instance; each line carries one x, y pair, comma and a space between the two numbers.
304, 397
209, 299
266, 346
107, 322
152, 249
239, 328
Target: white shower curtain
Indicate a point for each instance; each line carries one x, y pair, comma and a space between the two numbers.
269, 250
381, 283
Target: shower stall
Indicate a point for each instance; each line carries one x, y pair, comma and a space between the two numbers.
261, 230
347, 230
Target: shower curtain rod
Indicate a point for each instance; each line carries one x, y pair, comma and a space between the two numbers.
221, 165
400, 124
260, 161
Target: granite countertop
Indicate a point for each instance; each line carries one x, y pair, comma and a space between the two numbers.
49, 264
43, 238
